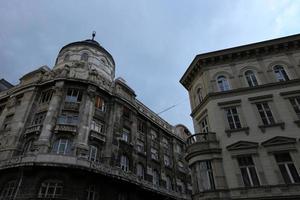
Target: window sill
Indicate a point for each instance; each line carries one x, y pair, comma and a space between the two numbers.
229, 131
297, 122
263, 127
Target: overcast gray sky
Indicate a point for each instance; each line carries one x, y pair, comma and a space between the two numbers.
153, 42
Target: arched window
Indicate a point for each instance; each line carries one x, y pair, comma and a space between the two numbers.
251, 79
66, 58
124, 163
8, 191
199, 95
62, 146
93, 153
168, 183
280, 73
140, 172
92, 193
84, 57
155, 178
51, 188
223, 83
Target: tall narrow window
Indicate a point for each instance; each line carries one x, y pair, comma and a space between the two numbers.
92, 193
155, 178
84, 57
223, 83
93, 152
154, 135
140, 172
62, 146
124, 163
287, 168
74, 95
97, 126
265, 113
204, 125
125, 135
99, 104
206, 175
280, 73
248, 171
295, 101
39, 118
51, 188
251, 79
140, 145
199, 95
8, 191
141, 126
168, 183
233, 118
46, 96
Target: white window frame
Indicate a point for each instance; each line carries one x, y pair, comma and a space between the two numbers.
233, 117
62, 142
280, 73
97, 126
204, 128
223, 83
265, 113
124, 163
251, 78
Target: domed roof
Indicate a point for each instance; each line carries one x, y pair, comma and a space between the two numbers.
91, 43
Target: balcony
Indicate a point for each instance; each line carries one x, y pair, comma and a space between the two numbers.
202, 143
35, 129
99, 112
95, 135
67, 128
73, 106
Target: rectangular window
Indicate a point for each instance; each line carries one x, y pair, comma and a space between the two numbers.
295, 101
93, 153
206, 175
265, 113
97, 126
167, 160
73, 95
154, 154
68, 118
248, 171
141, 126
125, 135
287, 168
99, 104
39, 118
46, 96
140, 146
233, 118
204, 125
126, 113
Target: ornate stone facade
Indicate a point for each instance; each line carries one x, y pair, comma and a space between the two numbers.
246, 109
76, 132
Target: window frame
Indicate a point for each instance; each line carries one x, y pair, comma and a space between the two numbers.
265, 113
280, 73
124, 163
233, 117
223, 83
57, 184
74, 95
248, 171
251, 78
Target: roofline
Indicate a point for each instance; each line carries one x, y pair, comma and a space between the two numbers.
89, 44
236, 49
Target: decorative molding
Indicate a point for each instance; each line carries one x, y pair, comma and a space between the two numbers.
230, 103
267, 97
242, 145
278, 140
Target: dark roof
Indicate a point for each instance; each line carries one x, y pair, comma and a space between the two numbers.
4, 85
91, 43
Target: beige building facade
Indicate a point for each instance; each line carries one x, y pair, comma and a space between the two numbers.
245, 104
75, 132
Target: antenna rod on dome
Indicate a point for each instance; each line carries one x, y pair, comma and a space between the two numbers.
94, 34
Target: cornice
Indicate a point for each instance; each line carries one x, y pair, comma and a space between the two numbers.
284, 44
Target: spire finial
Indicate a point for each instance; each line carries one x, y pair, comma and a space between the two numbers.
93, 35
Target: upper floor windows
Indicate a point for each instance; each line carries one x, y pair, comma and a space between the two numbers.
295, 101
251, 78
97, 126
93, 153
74, 95
84, 57
46, 96
125, 136
223, 84
68, 118
280, 73
287, 168
248, 171
154, 135
124, 163
51, 189
62, 146
140, 171
233, 118
8, 191
204, 125
39, 118
100, 104
199, 95
206, 174
265, 113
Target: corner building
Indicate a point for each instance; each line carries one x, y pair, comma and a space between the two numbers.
75, 132
245, 105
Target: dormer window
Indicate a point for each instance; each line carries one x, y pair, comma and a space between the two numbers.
84, 57
223, 83
280, 73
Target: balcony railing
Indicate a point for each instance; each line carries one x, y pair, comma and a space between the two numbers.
35, 129
71, 128
202, 137
97, 136
71, 106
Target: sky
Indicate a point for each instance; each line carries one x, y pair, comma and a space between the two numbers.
152, 41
